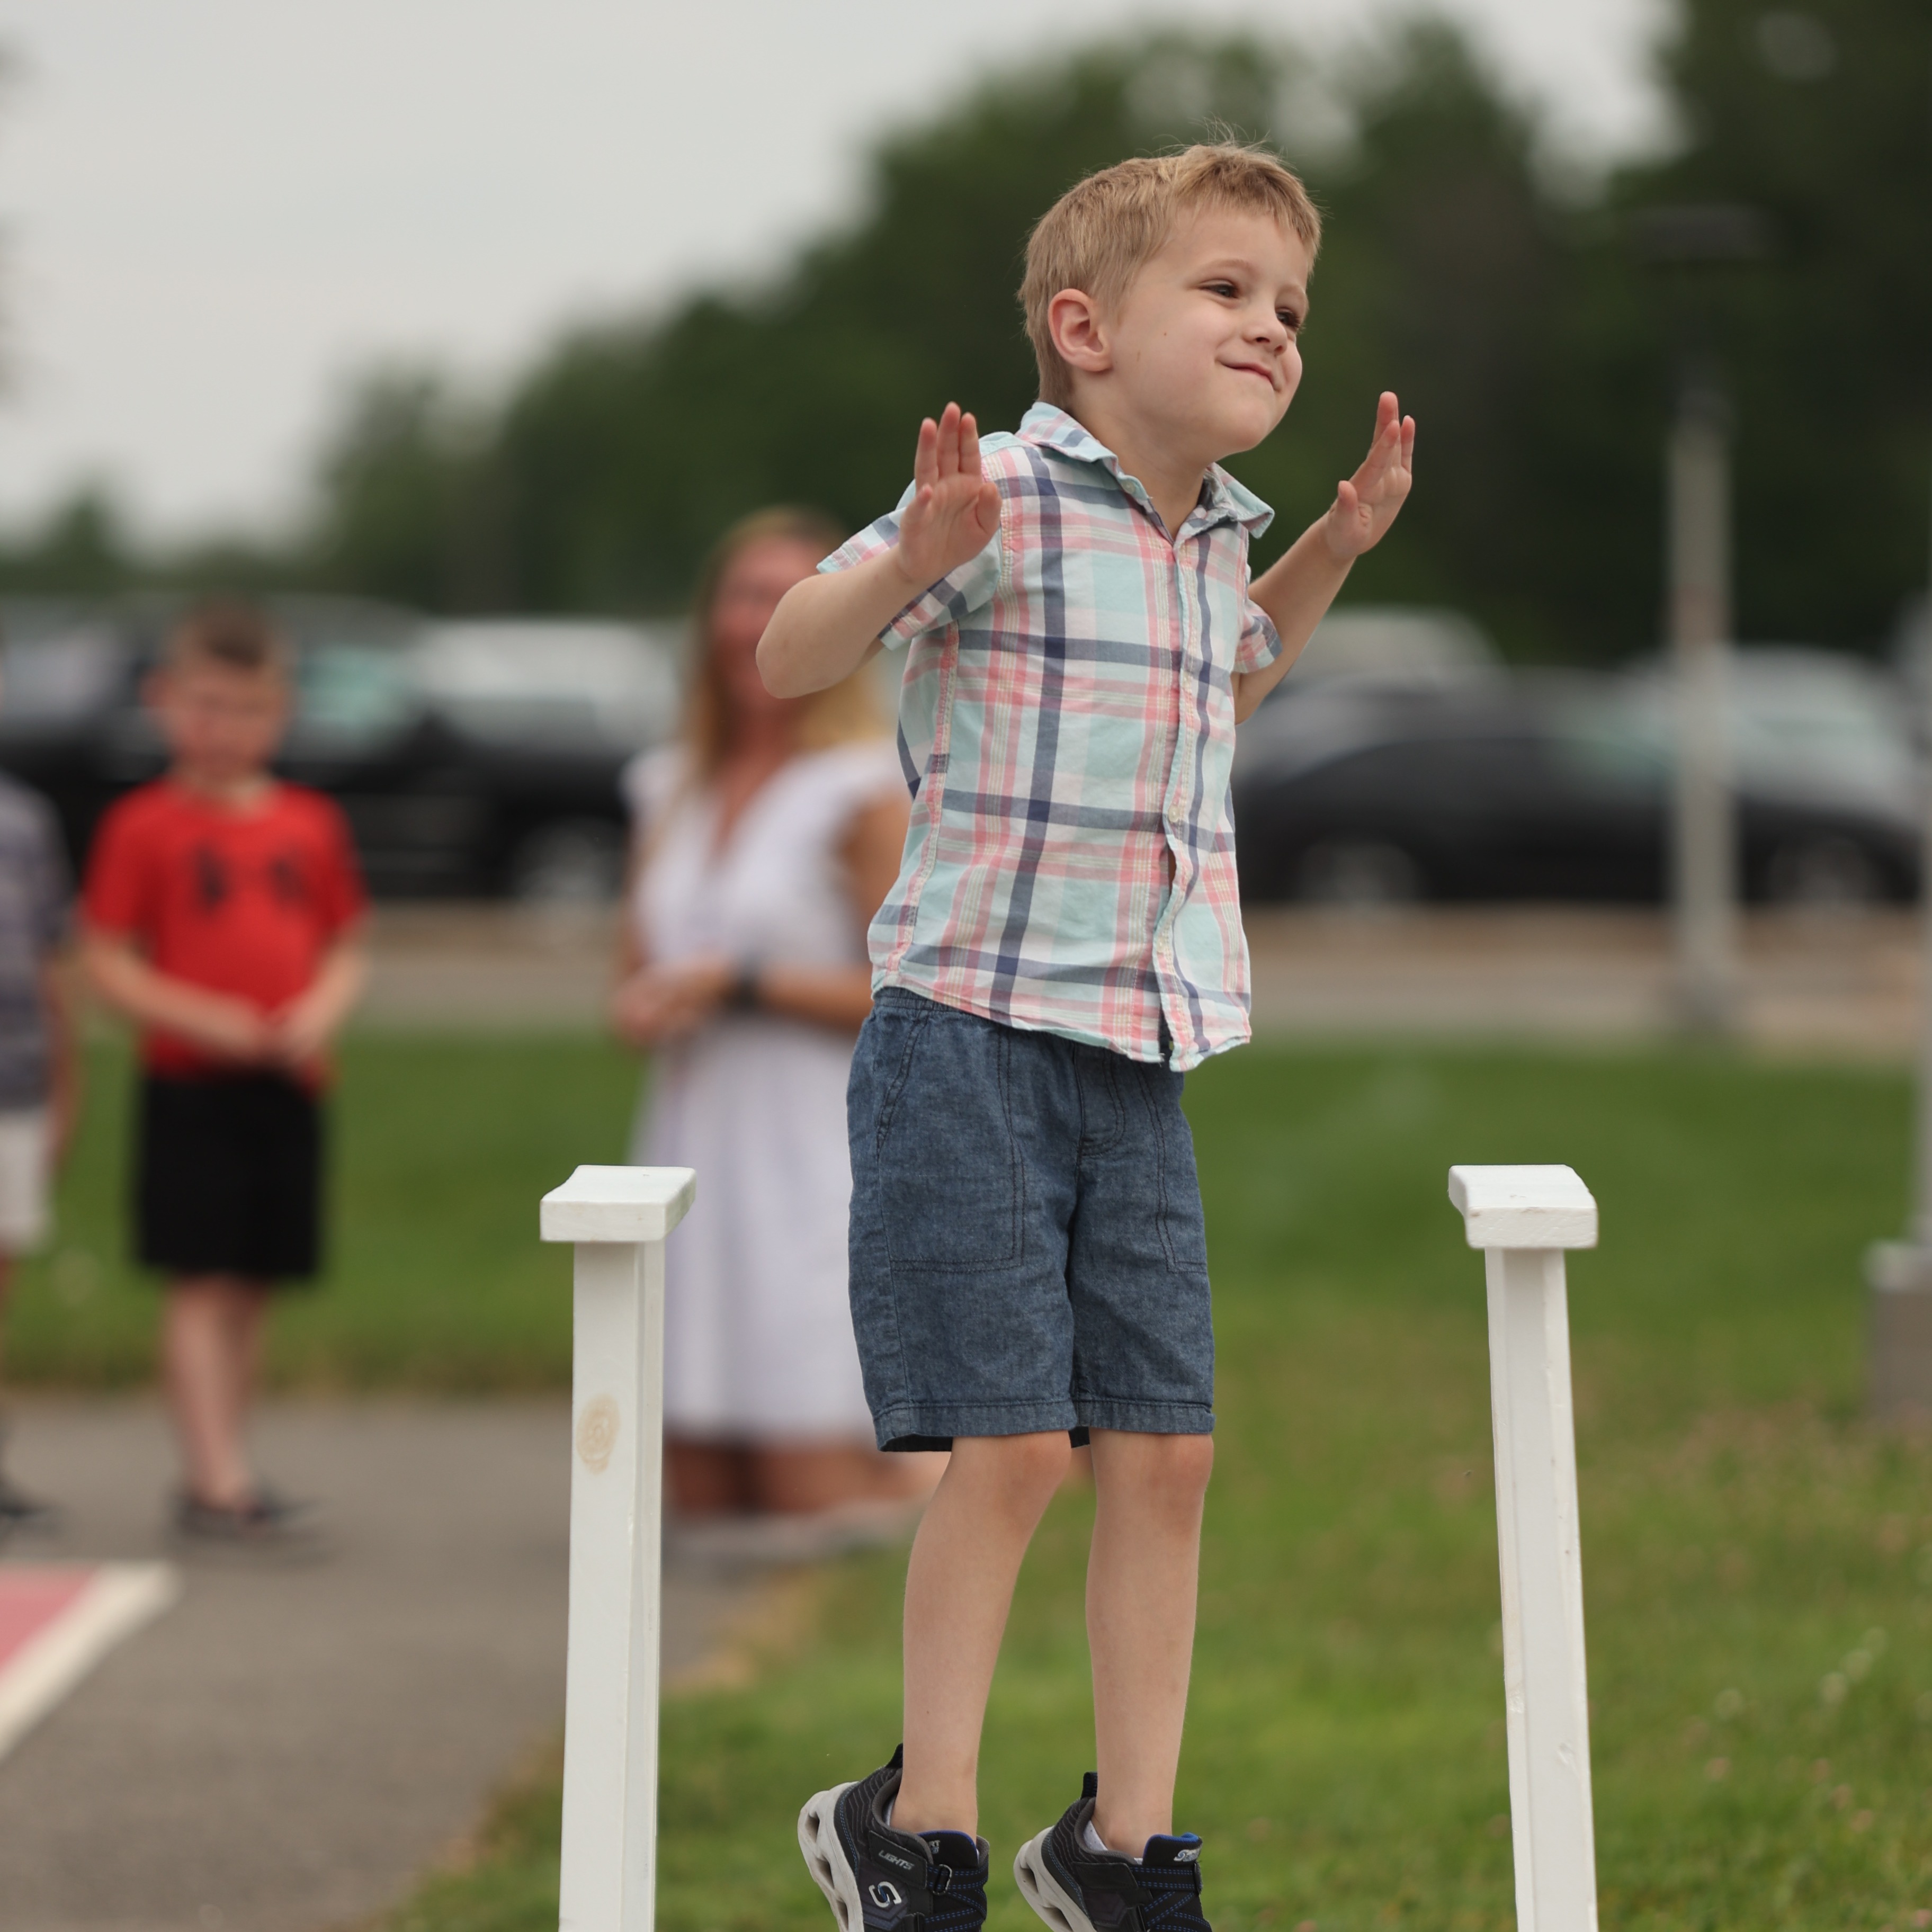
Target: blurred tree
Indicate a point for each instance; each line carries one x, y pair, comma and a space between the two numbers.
404, 499
1823, 119
1508, 310
624, 452
81, 548
1448, 273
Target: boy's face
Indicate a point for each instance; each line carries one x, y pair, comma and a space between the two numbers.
1203, 343
221, 724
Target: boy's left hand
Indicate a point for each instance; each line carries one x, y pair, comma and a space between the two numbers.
299, 1033
1366, 505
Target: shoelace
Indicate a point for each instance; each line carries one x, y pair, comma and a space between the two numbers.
958, 1900
1172, 1892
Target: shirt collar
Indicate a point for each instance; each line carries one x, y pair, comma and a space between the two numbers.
1224, 500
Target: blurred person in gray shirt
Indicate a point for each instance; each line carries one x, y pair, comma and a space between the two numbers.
38, 1087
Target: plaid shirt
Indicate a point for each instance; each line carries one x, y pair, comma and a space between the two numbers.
1066, 724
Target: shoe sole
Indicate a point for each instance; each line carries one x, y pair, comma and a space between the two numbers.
825, 1858
1043, 1892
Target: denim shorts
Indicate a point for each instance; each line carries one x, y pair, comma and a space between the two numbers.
1027, 1247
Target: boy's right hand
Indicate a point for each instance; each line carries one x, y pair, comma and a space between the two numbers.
825, 628
955, 512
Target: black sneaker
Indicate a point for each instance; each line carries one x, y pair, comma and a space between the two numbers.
1075, 1889
263, 1521
875, 1877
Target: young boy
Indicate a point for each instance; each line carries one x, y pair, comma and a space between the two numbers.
1028, 1263
221, 912
37, 1068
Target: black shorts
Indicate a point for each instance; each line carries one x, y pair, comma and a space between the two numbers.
228, 1176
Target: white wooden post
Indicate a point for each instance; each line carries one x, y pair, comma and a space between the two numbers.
618, 1217
1523, 1218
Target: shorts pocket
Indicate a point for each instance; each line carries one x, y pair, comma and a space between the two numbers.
1183, 1226
952, 1183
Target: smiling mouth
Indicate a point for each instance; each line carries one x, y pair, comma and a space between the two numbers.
1253, 369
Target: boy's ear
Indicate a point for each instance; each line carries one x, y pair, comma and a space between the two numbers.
1073, 320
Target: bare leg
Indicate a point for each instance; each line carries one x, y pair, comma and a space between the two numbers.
15, 1506
202, 1327
248, 1329
802, 1477
706, 1478
959, 1587
1142, 1581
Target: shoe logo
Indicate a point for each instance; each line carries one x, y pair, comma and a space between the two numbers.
886, 1856
1186, 1854
885, 1894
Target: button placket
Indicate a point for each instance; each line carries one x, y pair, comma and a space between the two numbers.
1180, 772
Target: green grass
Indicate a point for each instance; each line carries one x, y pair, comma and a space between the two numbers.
1746, 1538
440, 1148
1761, 1757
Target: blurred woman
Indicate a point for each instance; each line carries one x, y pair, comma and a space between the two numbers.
764, 843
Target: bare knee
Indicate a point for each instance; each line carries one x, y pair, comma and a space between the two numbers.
1166, 1473
209, 1290
197, 1297
1018, 1473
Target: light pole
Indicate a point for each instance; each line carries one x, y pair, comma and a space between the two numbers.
1704, 822
1898, 1379
1899, 1372
1690, 242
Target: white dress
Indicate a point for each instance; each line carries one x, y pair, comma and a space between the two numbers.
758, 1327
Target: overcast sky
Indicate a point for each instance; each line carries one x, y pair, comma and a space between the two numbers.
212, 211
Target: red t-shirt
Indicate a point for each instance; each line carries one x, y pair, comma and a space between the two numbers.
240, 902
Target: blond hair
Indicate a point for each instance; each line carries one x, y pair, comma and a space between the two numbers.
1104, 230
840, 714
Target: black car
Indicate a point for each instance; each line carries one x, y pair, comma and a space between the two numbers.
452, 783
1557, 788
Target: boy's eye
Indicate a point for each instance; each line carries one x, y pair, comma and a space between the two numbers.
1290, 320
1227, 289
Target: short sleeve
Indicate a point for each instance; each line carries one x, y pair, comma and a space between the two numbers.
969, 588
118, 895
1261, 642
342, 900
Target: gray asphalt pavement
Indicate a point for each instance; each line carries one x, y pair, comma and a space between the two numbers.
288, 1748
1817, 983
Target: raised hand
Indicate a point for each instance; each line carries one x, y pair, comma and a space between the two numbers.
955, 512
1366, 505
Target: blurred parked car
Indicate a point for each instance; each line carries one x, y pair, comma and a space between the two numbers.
1408, 647
471, 759
1558, 786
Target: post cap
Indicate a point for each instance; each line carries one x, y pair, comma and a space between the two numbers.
618, 1204
1524, 1206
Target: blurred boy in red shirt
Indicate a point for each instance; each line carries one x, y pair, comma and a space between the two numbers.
222, 913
